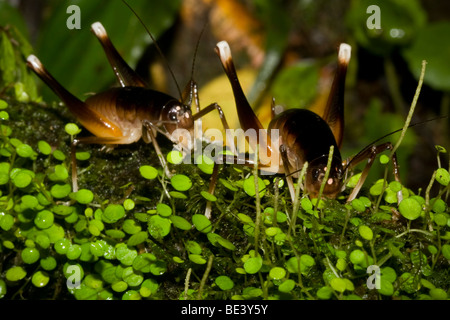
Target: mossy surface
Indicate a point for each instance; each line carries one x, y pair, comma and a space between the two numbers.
132, 237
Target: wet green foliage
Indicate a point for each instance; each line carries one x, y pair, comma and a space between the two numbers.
153, 242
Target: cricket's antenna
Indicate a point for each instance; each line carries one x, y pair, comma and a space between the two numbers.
391, 133
196, 50
157, 47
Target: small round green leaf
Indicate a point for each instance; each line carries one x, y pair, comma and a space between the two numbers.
125, 255
201, 223
3, 104
446, 251
358, 205
60, 191
384, 159
44, 219
250, 187
208, 196
84, 196
440, 219
3, 288
357, 257
175, 157
128, 204
158, 227
82, 155
442, 176
386, 287
148, 172
287, 286
324, 293
277, 273
253, 265
197, 259
365, 232
438, 294
163, 210
113, 213
205, 164
62, 245
72, 129
48, 263
22, 179
6, 222
388, 274
137, 238
131, 277
338, 284
40, 279
30, 255
24, 150
224, 283
15, 273
180, 222
181, 182
73, 252
44, 147
119, 286
410, 208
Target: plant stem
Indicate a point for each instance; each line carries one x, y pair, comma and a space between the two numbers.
405, 127
438, 233
186, 283
325, 179
275, 203
258, 201
414, 230
384, 259
296, 200
411, 109
427, 201
372, 249
347, 218
263, 286
205, 276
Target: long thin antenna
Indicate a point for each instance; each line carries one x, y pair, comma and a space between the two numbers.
391, 133
157, 47
196, 50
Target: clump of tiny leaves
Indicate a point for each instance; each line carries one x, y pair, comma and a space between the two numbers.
156, 242
130, 232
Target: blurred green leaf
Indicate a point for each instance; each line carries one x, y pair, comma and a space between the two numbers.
276, 42
296, 86
8, 61
10, 16
76, 59
14, 74
400, 20
432, 44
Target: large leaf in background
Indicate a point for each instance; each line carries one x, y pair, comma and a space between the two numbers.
296, 86
11, 16
15, 77
432, 44
75, 57
400, 22
276, 42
